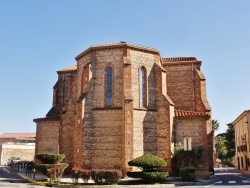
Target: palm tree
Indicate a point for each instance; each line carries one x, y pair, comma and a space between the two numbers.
215, 124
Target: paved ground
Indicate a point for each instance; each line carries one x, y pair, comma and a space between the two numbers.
171, 181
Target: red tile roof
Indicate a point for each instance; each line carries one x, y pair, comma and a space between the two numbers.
18, 135
69, 69
184, 113
125, 43
117, 44
179, 59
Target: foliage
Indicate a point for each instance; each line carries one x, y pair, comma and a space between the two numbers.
55, 173
51, 166
78, 172
147, 162
220, 146
215, 124
47, 158
149, 177
225, 143
85, 175
43, 167
109, 177
230, 140
187, 158
187, 173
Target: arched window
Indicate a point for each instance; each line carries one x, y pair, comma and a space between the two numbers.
143, 87
109, 86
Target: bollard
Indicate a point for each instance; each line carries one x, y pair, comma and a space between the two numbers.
34, 173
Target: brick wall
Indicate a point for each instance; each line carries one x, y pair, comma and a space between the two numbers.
96, 135
196, 128
47, 136
180, 84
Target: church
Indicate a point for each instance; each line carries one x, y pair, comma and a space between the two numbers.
121, 101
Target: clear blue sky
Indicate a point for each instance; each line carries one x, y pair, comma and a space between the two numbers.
37, 38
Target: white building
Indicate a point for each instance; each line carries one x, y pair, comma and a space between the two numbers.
242, 140
17, 145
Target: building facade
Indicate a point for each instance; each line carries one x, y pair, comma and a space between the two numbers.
20, 145
123, 100
242, 140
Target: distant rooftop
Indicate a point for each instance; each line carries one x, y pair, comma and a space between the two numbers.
18, 135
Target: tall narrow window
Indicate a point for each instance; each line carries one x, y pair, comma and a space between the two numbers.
143, 87
109, 86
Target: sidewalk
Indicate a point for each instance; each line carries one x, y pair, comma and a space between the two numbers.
123, 183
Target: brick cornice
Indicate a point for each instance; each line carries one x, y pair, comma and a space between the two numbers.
46, 119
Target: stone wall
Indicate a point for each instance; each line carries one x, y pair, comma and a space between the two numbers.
26, 152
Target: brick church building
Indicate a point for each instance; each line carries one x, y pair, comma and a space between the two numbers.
121, 101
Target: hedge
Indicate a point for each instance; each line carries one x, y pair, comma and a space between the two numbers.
43, 167
47, 158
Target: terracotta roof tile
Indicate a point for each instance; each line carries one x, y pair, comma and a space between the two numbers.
124, 43
18, 135
69, 69
117, 44
184, 113
180, 60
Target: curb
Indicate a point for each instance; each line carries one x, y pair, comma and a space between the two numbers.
22, 176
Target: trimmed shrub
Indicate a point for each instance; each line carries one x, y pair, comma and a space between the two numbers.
148, 162
47, 158
43, 167
106, 176
78, 172
55, 173
150, 168
85, 175
149, 177
187, 174
75, 173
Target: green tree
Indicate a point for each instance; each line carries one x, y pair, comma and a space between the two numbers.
230, 140
225, 144
220, 146
187, 158
215, 124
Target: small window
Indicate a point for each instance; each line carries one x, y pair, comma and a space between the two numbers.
109, 86
143, 87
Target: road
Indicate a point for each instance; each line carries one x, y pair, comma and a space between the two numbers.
228, 178
10, 179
